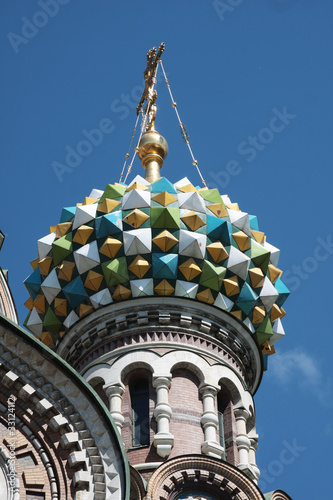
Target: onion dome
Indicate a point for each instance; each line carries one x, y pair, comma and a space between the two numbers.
155, 239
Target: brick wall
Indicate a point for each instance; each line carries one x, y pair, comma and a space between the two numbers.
186, 408
30, 470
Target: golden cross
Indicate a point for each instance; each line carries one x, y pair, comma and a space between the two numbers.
149, 94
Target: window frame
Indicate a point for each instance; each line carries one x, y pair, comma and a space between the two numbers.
140, 422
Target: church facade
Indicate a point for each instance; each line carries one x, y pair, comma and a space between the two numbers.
153, 308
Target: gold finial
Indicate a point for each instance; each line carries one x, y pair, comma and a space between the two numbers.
150, 75
152, 148
152, 112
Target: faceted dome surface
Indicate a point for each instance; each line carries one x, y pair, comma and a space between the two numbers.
159, 239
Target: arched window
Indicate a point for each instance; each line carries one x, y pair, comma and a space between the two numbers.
220, 410
139, 390
223, 410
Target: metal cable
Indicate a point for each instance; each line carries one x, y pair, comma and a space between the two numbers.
174, 105
136, 149
127, 155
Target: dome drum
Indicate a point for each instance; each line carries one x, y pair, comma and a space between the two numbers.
166, 323
141, 240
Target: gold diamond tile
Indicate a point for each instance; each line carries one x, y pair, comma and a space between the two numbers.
108, 205
218, 209
139, 266
93, 280
66, 270
29, 303
110, 247
44, 265
217, 251
165, 240
164, 198
274, 273
237, 314
259, 236
232, 206
82, 234
257, 277
258, 314
39, 304
34, 263
47, 340
275, 312
137, 185
121, 293
242, 240
187, 189
267, 349
60, 307
190, 269
206, 296
164, 288
136, 218
61, 229
193, 220
85, 309
231, 286
89, 201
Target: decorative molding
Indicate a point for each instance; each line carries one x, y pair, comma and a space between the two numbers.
60, 403
164, 321
138, 485
209, 422
279, 495
214, 476
113, 373
244, 443
252, 455
115, 394
12, 492
147, 465
163, 439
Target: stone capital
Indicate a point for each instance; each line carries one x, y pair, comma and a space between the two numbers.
161, 381
208, 389
114, 390
241, 413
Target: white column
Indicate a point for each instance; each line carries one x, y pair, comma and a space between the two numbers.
115, 393
209, 422
242, 441
163, 439
252, 455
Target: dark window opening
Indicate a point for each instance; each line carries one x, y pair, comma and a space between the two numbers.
32, 495
220, 411
140, 412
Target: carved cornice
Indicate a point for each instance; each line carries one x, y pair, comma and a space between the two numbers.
279, 495
213, 476
165, 323
138, 490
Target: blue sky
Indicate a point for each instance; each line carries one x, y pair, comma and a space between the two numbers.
253, 84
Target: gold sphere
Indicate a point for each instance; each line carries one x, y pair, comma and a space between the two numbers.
152, 143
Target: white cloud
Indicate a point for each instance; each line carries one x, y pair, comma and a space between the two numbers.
290, 364
296, 367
